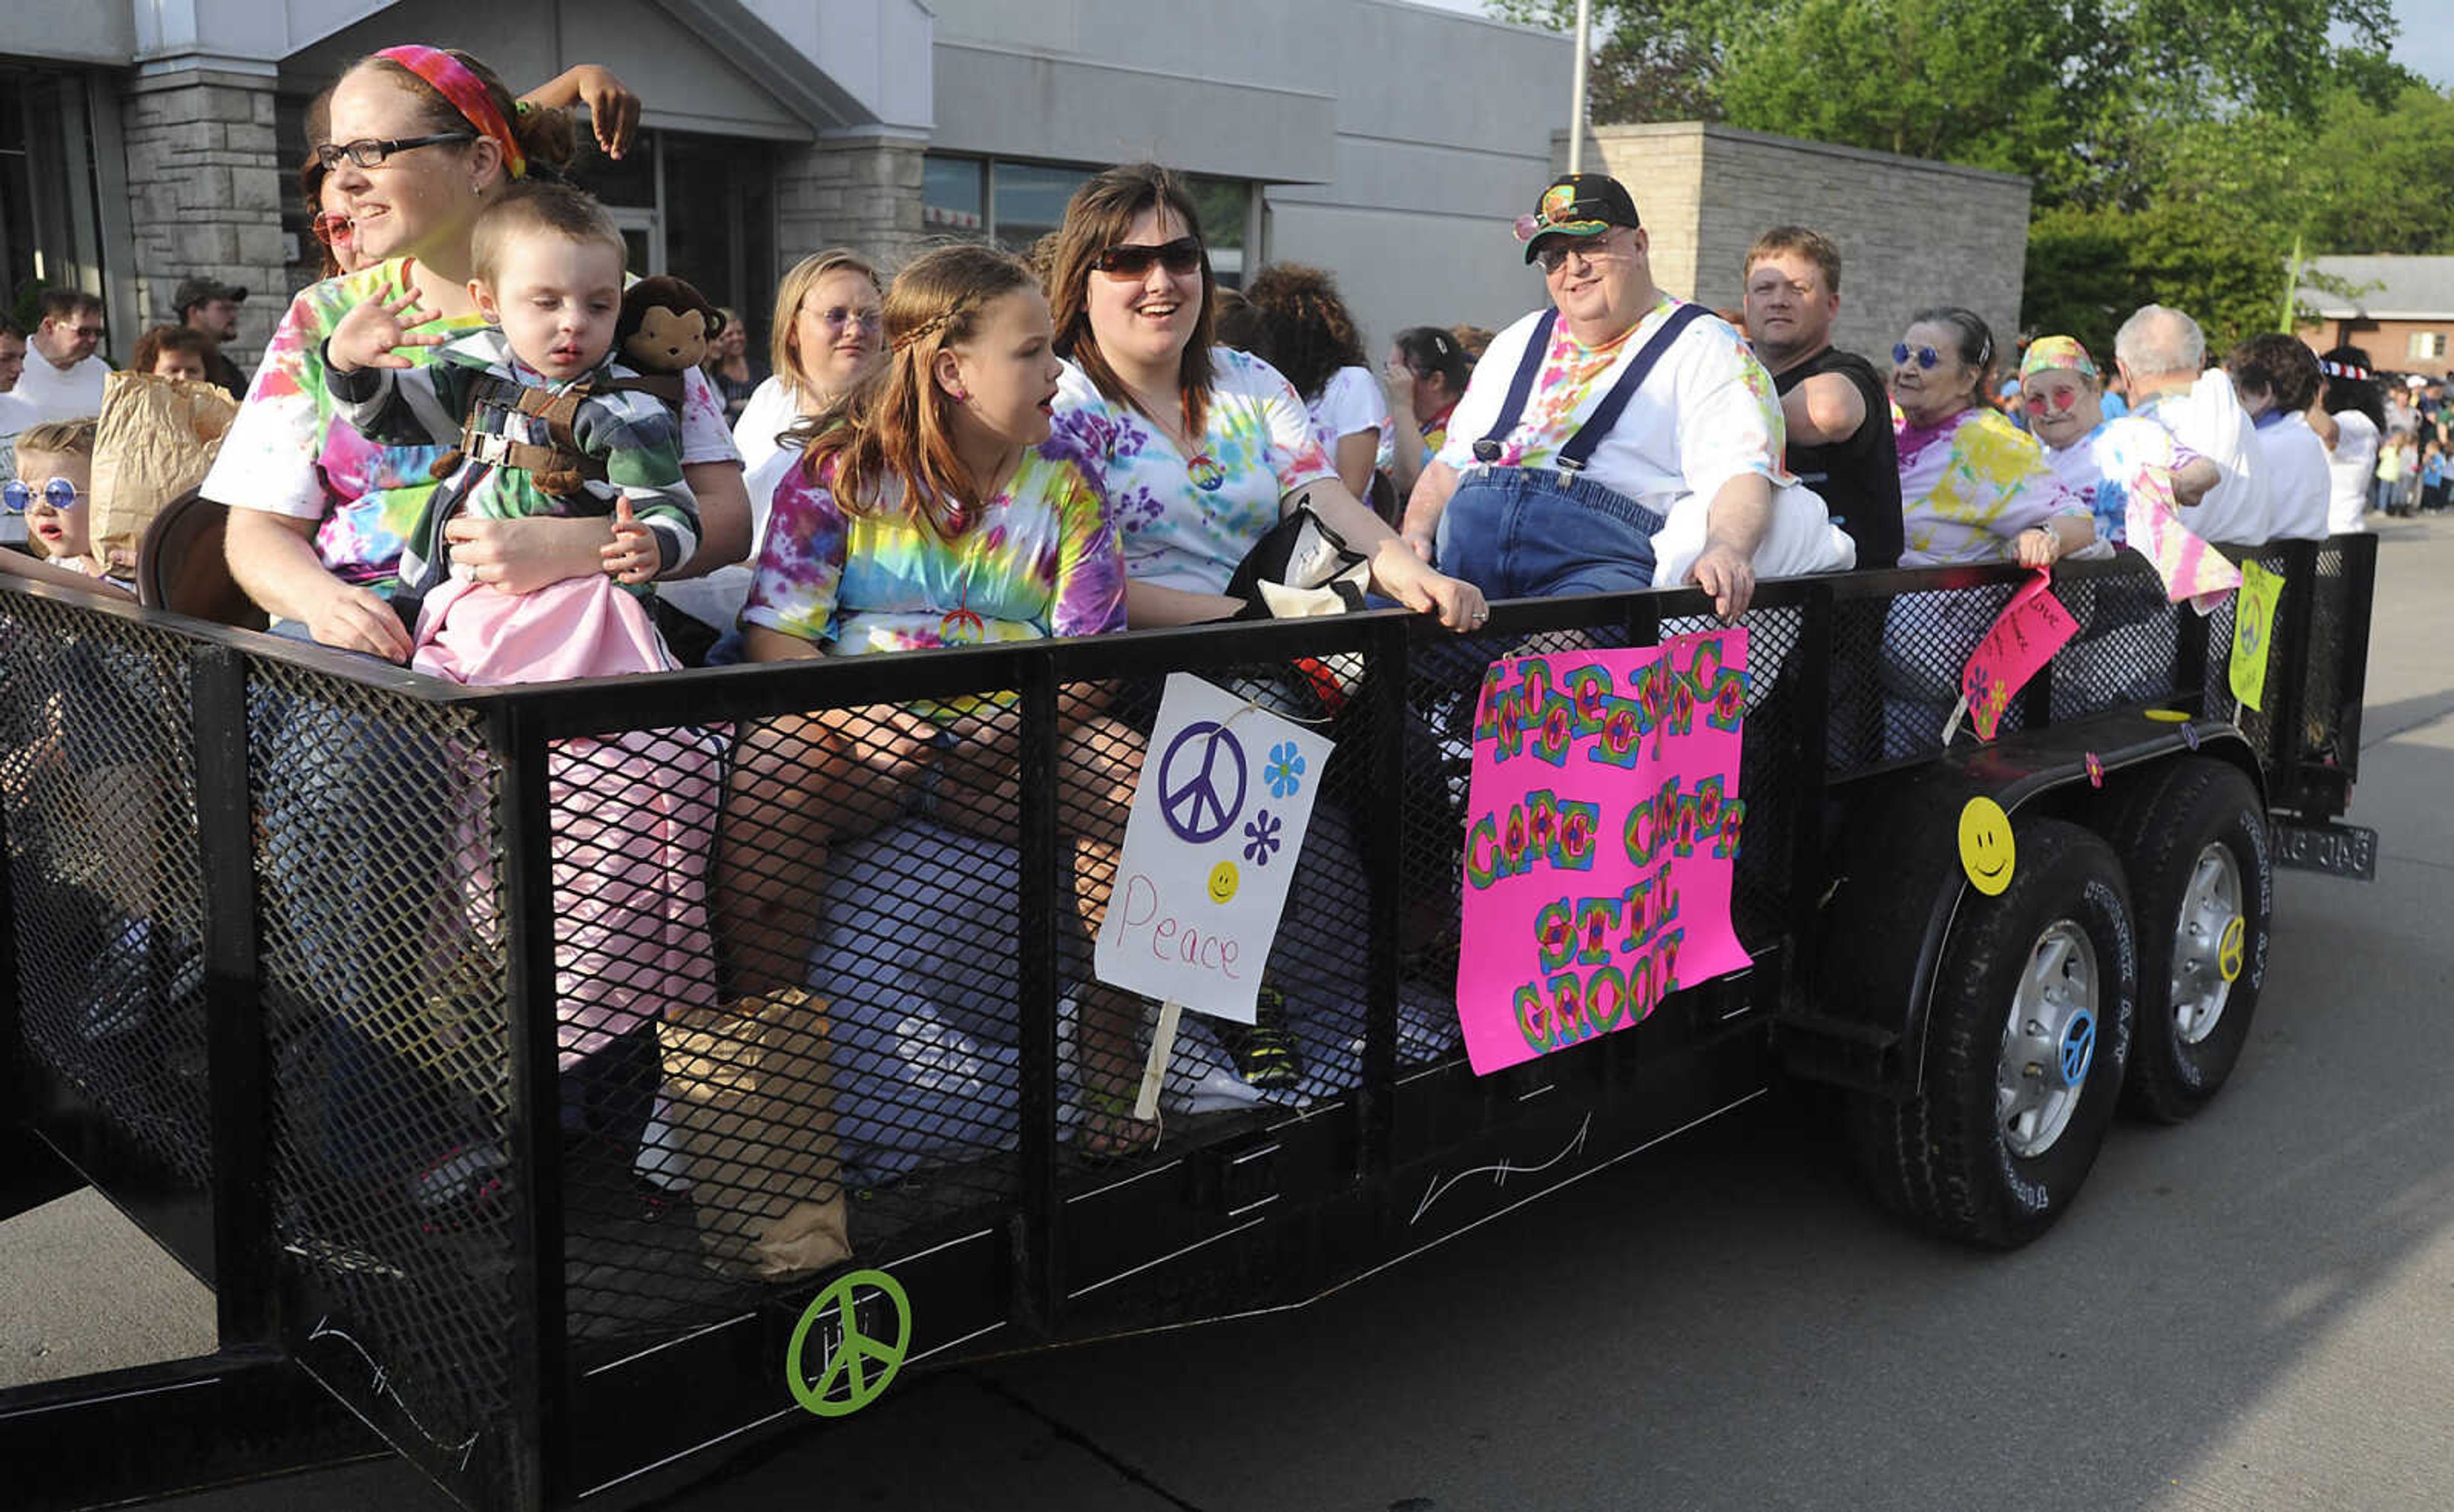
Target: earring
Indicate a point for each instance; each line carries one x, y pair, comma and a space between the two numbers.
959, 395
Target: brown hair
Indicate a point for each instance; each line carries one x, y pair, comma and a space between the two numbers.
150, 346
1797, 241
311, 175
1475, 339
806, 276
1308, 334
548, 136
56, 304
539, 210
895, 428
2282, 365
1101, 215
60, 437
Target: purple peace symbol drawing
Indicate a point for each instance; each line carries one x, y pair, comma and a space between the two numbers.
1193, 799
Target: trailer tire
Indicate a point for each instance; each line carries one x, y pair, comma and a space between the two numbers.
2025, 1045
2195, 847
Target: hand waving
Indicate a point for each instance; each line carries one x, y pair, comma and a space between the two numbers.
369, 335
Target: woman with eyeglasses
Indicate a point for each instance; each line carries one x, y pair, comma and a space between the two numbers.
1973, 488
418, 141
1427, 371
829, 310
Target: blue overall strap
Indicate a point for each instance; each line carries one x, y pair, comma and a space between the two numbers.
1520, 387
1580, 450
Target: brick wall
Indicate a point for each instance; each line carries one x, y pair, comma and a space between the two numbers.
2388, 342
1911, 233
862, 192
204, 194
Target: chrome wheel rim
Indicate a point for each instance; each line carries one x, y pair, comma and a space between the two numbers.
2207, 943
2048, 1042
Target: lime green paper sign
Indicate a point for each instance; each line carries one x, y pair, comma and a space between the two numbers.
2253, 631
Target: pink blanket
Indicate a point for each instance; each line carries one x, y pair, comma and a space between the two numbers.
634, 813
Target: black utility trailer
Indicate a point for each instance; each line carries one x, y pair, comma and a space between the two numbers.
365, 1160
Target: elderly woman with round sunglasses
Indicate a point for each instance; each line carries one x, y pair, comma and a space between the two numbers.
422, 140
2099, 459
1973, 487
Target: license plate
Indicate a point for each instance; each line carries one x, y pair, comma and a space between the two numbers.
2338, 850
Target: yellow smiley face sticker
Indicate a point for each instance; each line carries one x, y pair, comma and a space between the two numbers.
1986, 851
2228, 950
1223, 881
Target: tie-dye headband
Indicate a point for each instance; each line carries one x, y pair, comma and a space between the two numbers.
453, 80
2058, 352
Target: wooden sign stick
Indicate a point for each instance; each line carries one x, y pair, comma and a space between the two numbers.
1155, 1069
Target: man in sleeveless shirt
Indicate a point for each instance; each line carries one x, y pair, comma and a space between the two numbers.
1587, 423
1839, 417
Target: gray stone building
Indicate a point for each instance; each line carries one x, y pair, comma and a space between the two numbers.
145, 141
1912, 233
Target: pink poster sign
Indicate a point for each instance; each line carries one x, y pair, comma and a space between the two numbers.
2025, 637
1602, 832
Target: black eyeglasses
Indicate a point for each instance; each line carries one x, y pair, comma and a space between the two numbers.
1132, 260
1926, 356
370, 151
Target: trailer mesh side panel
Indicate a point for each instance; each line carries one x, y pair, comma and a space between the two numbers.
2123, 655
2332, 721
109, 901
379, 876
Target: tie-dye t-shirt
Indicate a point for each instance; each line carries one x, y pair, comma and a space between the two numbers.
2099, 466
1043, 560
1970, 485
290, 453
1188, 521
1706, 415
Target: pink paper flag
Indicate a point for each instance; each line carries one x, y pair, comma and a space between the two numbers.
2191, 568
1604, 834
2030, 629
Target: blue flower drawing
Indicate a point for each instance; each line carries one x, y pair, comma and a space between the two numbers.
1285, 771
1261, 838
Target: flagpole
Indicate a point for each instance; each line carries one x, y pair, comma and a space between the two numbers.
1576, 90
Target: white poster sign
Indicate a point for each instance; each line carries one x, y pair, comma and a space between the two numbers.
1219, 819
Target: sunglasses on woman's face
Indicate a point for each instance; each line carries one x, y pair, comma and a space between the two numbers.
1132, 260
19, 495
1926, 356
2062, 399
330, 229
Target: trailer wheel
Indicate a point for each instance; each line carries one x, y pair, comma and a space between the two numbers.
2195, 847
2025, 1044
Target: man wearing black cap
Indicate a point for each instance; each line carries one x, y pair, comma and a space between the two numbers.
1588, 424
211, 306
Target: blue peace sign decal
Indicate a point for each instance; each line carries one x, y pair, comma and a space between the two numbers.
1198, 806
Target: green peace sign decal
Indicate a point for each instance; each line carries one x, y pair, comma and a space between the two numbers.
852, 1349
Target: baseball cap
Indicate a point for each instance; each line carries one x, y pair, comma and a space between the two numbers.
1576, 205
192, 292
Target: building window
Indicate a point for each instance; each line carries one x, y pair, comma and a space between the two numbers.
2429, 344
1013, 205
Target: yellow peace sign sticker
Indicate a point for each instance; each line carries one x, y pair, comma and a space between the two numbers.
2228, 950
849, 1349
1986, 850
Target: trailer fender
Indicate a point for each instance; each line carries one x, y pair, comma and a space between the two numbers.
1897, 881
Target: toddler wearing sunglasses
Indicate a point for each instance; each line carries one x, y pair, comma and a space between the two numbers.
52, 491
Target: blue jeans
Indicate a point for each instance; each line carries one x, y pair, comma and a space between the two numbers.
1530, 532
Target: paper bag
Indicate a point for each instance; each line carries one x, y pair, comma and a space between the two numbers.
755, 1116
157, 441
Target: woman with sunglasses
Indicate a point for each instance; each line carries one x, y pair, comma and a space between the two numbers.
1200, 451
1973, 488
421, 140
2098, 459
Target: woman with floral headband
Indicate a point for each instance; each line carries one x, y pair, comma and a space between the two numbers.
423, 140
2099, 459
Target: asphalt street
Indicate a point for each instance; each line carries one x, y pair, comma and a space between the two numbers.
2249, 1311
